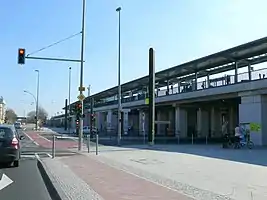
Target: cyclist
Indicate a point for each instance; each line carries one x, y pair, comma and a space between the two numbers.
238, 135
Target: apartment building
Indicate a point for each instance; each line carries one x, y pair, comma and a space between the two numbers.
2, 110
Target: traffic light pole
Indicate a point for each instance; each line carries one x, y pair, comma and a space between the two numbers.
81, 79
91, 114
22, 57
53, 59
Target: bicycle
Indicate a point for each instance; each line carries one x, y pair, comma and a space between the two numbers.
247, 143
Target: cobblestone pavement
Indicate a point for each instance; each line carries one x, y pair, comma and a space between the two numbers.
200, 172
114, 184
68, 185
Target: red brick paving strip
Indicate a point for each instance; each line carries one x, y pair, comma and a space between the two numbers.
114, 184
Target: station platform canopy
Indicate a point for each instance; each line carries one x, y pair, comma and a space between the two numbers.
211, 64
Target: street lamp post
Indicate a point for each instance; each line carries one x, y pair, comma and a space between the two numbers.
119, 78
37, 99
81, 77
35, 103
69, 99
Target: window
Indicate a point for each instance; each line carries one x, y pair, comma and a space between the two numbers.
5, 133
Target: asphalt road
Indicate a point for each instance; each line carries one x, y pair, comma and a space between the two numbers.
27, 182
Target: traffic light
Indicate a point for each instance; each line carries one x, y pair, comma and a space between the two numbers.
21, 56
77, 123
93, 117
79, 108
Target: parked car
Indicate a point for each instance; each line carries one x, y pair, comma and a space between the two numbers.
10, 148
87, 129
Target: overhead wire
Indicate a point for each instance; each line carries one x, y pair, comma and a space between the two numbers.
55, 43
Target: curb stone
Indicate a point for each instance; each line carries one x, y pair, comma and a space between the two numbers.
54, 191
67, 185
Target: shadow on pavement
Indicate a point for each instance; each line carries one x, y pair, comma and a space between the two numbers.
213, 149
254, 156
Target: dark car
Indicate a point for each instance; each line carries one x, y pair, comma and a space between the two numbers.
10, 148
18, 125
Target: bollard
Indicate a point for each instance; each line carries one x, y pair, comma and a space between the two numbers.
88, 143
192, 139
96, 145
54, 147
206, 139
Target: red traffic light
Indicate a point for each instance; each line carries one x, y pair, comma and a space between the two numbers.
21, 56
21, 51
79, 105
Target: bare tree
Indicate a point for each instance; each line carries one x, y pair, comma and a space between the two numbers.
11, 116
42, 115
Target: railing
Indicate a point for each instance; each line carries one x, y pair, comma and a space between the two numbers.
216, 82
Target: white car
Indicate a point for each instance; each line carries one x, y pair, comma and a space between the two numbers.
86, 130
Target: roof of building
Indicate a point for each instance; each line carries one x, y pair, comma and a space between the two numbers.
244, 51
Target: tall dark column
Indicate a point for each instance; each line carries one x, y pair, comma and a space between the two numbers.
151, 110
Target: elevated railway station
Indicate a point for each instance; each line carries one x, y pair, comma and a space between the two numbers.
194, 99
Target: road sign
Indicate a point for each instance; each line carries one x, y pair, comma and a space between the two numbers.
81, 97
81, 89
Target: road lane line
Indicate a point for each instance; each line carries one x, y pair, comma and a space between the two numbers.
37, 156
44, 138
49, 155
27, 156
31, 139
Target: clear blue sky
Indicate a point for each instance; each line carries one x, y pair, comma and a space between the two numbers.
179, 30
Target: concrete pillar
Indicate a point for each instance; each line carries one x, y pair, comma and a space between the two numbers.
109, 120
141, 122
100, 121
158, 124
205, 123
170, 118
180, 122
199, 122
212, 121
231, 120
177, 121
252, 110
125, 122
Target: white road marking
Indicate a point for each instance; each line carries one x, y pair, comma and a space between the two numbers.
5, 181
27, 156
31, 139
49, 155
44, 138
67, 137
37, 156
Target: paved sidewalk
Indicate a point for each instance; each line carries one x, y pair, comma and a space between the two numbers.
103, 181
203, 172
114, 184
